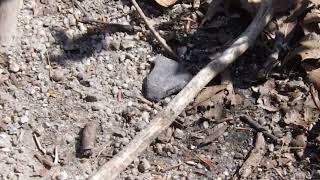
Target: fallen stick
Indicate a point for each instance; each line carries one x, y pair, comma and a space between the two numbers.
153, 31
254, 124
163, 120
254, 158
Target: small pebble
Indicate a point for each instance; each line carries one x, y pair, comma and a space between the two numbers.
144, 166
91, 98
5, 140
205, 124
110, 67
238, 156
97, 106
69, 138
115, 44
62, 176
14, 67
57, 75
127, 44
115, 90
24, 119
145, 116
178, 133
271, 147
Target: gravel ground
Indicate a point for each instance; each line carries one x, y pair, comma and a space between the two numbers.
65, 72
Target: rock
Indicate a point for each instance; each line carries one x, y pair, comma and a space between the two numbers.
115, 44
145, 116
144, 166
57, 75
24, 119
69, 138
5, 141
62, 176
127, 44
115, 90
178, 133
14, 67
110, 67
205, 124
166, 78
238, 155
165, 136
91, 98
72, 20
97, 106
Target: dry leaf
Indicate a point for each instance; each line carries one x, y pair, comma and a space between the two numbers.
315, 2
314, 78
207, 93
166, 3
52, 93
308, 49
312, 17
294, 117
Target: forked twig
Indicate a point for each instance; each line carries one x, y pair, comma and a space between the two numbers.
163, 120
153, 31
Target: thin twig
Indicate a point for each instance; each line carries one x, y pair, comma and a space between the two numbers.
154, 32
146, 101
172, 167
259, 128
44, 160
56, 155
43, 150
164, 119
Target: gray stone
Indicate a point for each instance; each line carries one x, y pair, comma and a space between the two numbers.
91, 98
97, 106
165, 136
115, 44
166, 78
57, 75
127, 44
144, 166
178, 133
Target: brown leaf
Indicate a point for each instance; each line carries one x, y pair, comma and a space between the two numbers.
308, 49
166, 3
312, 17
207, 93
314, 78
315, 2
294, 117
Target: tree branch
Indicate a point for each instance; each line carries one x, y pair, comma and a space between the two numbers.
163, 120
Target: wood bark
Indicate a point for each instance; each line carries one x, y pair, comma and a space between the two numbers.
163, 120
8, 21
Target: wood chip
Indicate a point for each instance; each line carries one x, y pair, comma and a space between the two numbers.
88, 138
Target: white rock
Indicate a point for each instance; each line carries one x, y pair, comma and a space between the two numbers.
14, 67
5, 140
110, 67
